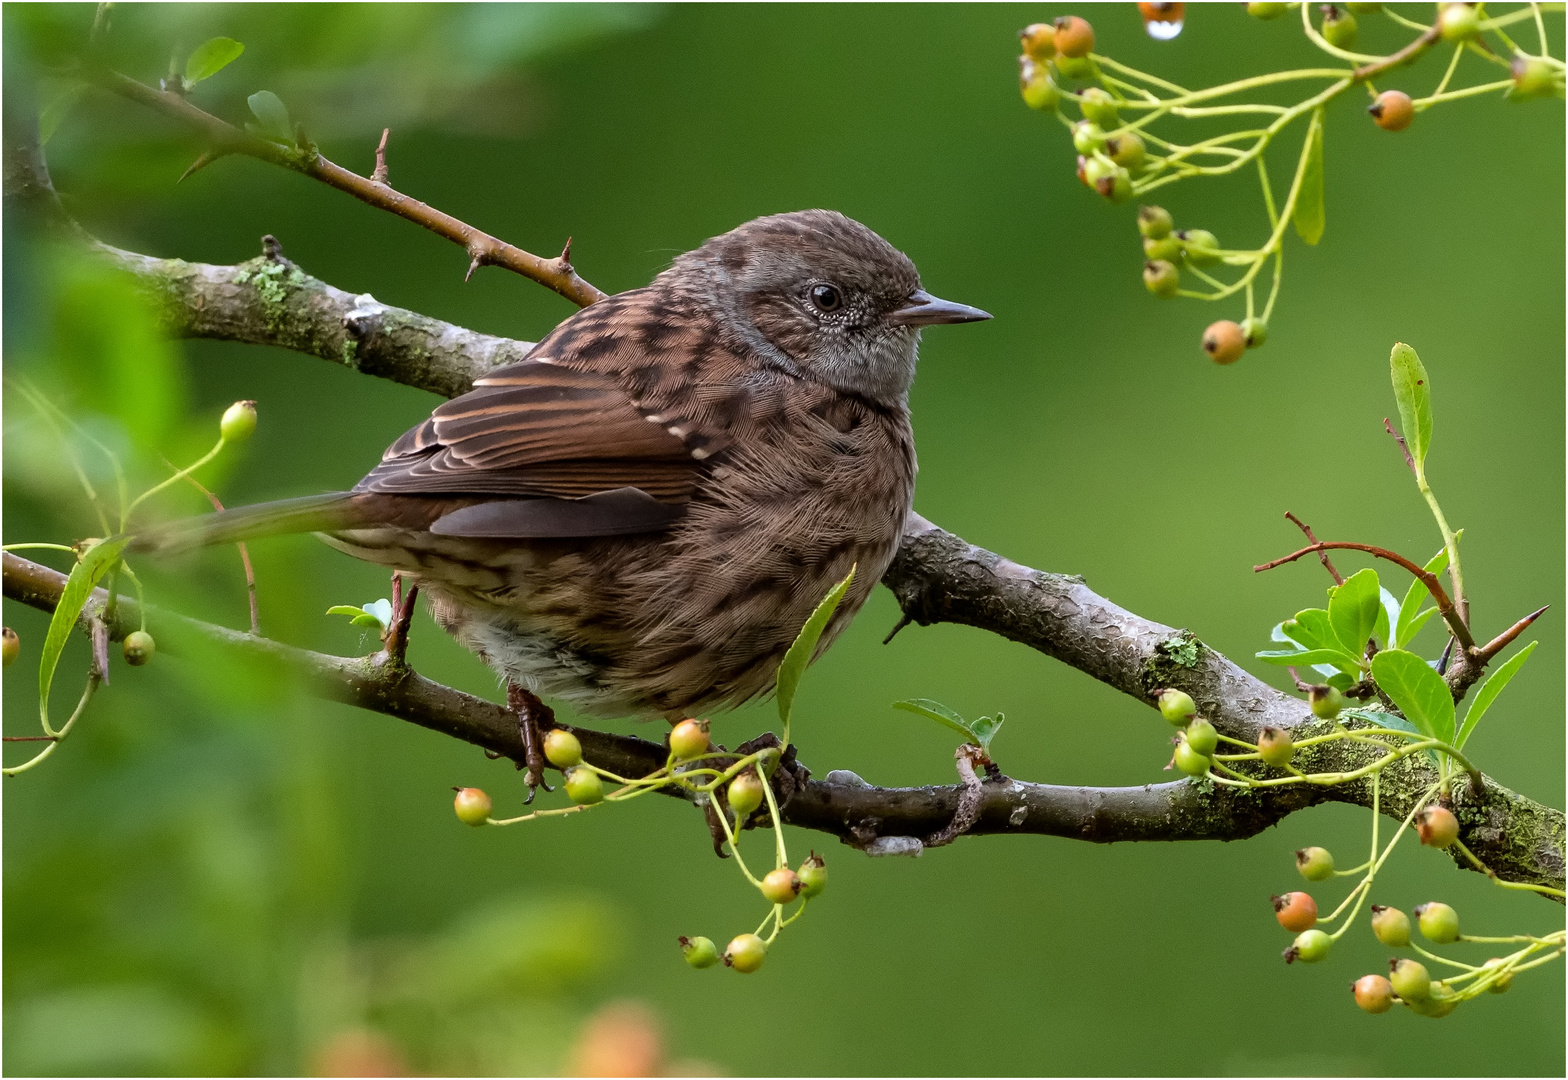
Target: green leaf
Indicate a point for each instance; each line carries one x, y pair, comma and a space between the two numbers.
804, 649
1353, 610
1298, 657
376, 613
1420, 692
211, 57
981, 732
1311, 629
272, 115
1309, 216
1413, 393
56, 109
344, 609
1406, 626
1489, 690
85, 575
1341, 681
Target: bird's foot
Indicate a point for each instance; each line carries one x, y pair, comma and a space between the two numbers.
532, 716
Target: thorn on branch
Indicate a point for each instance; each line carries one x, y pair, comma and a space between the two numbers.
902, 622
1501, 641
1400, 439
564, 261
475, 265
1322, 555
379, 176
207, 158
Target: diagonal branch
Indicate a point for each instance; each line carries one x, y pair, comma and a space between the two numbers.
224, 138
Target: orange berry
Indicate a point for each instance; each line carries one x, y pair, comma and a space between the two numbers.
1074, 36
1392, 110
1224, 341
1296, 911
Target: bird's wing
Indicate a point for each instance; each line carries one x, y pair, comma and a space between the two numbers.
558, 442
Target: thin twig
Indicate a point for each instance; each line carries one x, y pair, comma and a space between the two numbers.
1403, 447
1445, 606
379, 176
1322, 555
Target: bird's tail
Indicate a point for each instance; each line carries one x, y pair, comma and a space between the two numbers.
313, 513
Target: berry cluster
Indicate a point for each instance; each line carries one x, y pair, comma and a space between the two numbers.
1111, 109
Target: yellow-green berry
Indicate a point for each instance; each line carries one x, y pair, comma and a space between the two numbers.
1309, 947
1154, 222
746, 953
1437, 1004
1267, 11
1161, 278
1437, 826
1458, 22
1390, 926
1176, 707
1126, 150
700, 952
1501, 984
781, 886
1410, 979
1201, 246
472, 806
1034, 83
1202, 737
1326, 701
745, 793
1098, 105
813, 875
1535, 77
1275, 746
239, 422
1189, 760
1438, 922
1039, 40
1315, 863
562, 749
1256, 332
1339, 27
10, 646
1165, 249
1088, 137
689, 739
138, 647
583, 786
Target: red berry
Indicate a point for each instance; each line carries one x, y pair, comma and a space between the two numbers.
472, 806
1074, 36
1374, 994
689, 739
1224, 341
1296, 911
781, 886
1437, 826
1392, 110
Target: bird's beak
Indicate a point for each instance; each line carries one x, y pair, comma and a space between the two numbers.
923, 309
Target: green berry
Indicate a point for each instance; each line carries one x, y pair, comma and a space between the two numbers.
1535, 78
745, 793
1097, 105
1224, 342
1339, 27
1326, 701
1202, 737
1438, 1004
1410, 979
1374, 994
1393, 110
1176, 707
1296, 911
1275, 746
700, 952
1088, 137
1267, 11
583, 786
781, 886
1074, 67
138, 647
1126, 150
472, 806
10, 646
746, 953
1154, 222
239, 422
1256, 332
1039, 40
1165, 249
1390, 926
689, 739
1034, 83
1438, 922
1114, 183
1458, 22
813, 875
1501, 984
1074, 36
1309, 947
1315, 863
562, 749
1200, 246
1189, 760
1162, 279
1437, 826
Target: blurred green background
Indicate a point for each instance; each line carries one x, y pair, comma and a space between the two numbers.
220, 875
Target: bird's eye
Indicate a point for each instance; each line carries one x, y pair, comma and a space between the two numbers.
826, 298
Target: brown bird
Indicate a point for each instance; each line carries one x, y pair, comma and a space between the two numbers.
640, 516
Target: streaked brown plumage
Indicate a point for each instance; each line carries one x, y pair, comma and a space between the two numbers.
639, 517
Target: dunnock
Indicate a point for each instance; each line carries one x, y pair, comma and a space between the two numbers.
639, 517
